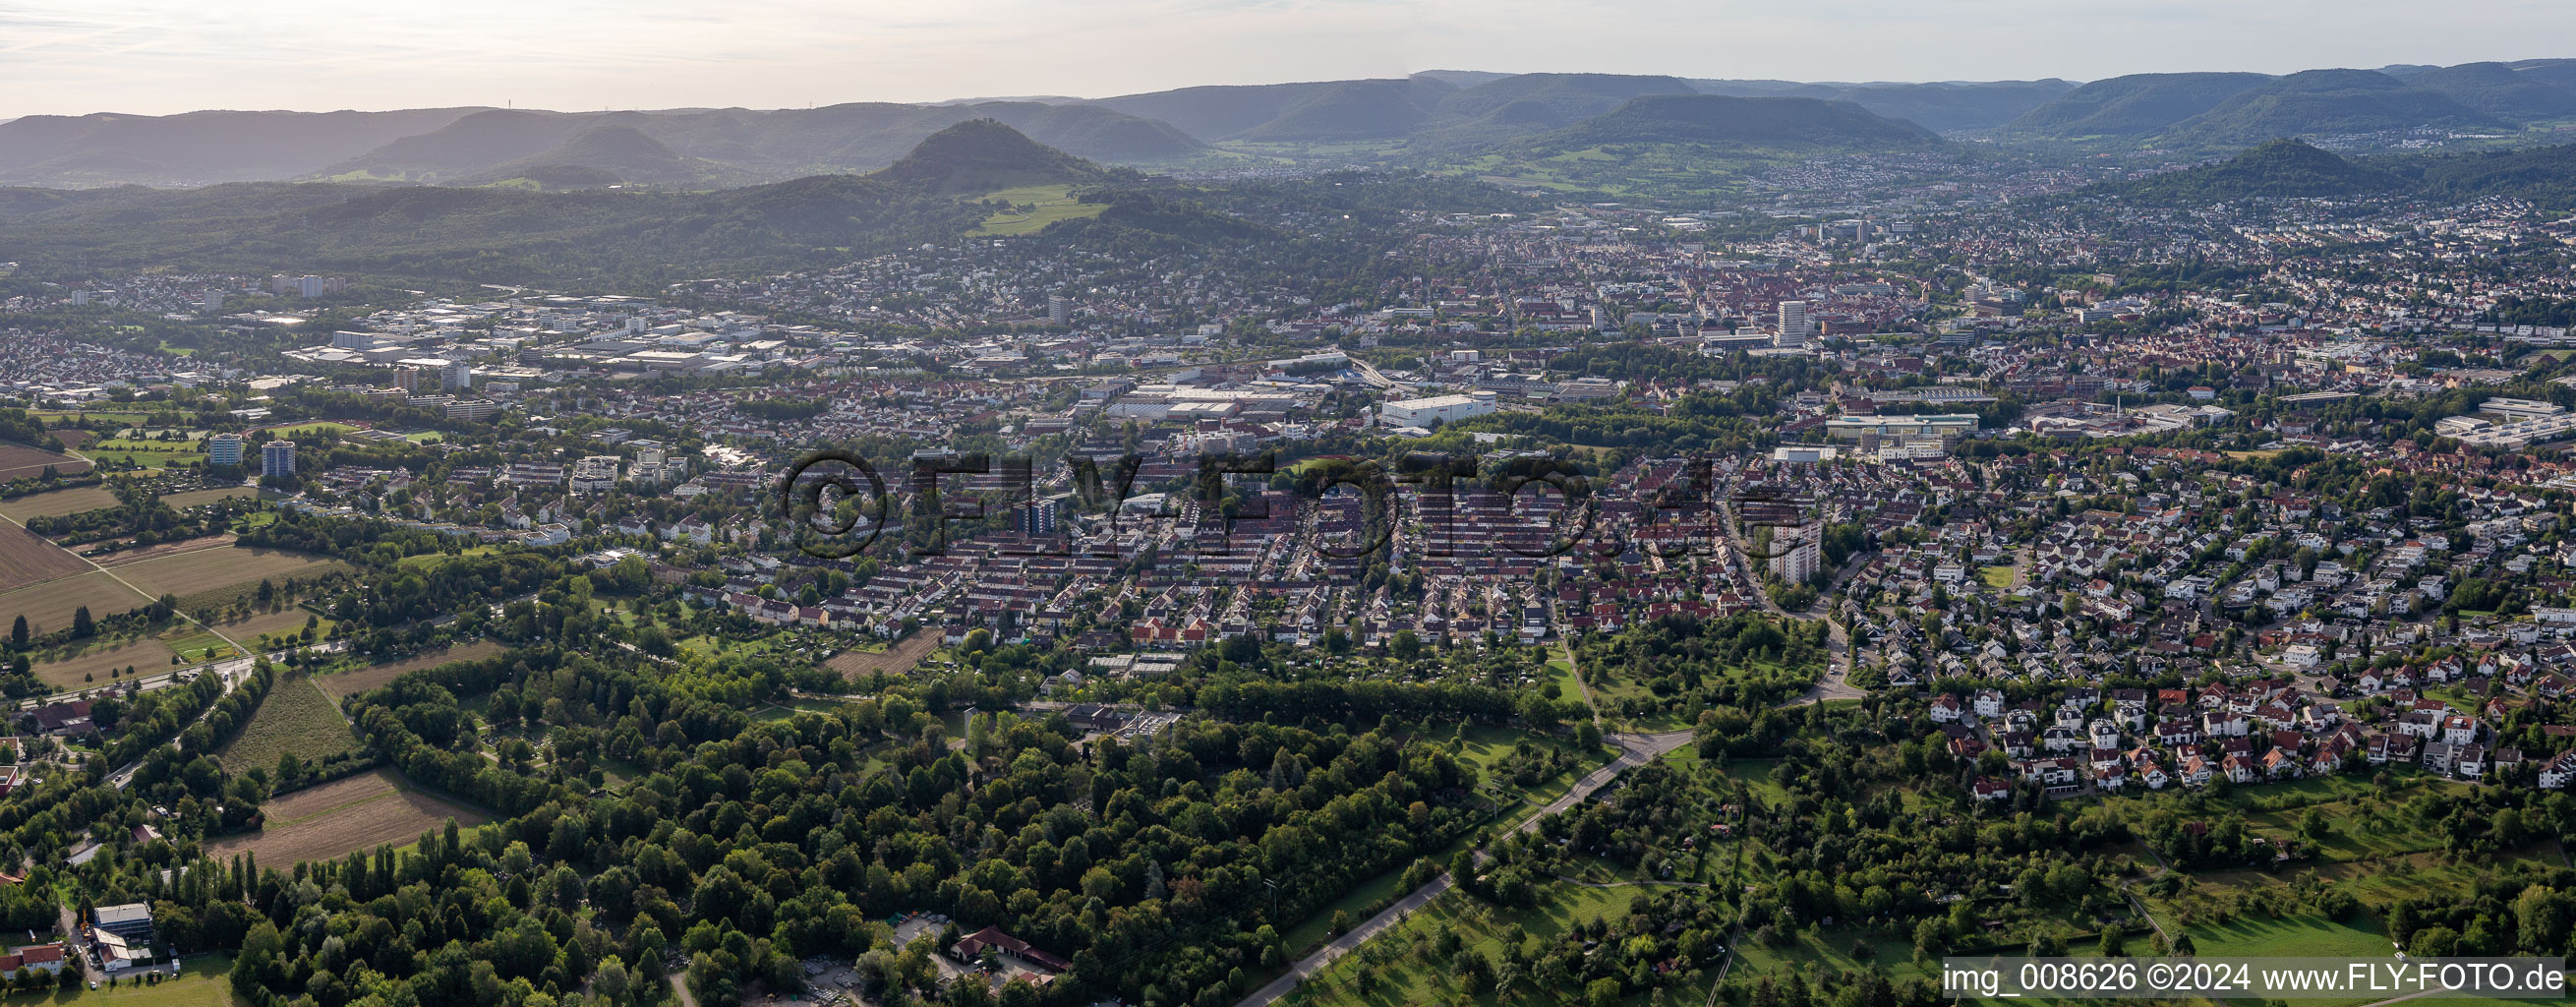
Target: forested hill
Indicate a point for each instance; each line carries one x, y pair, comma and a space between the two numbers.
2290, 169
2282, 169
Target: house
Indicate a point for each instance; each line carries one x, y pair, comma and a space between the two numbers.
1990, 790
1945, 709
2459, 730
122, 935
973, 946
1990, 703
2558, 772
2238, 768
38, 957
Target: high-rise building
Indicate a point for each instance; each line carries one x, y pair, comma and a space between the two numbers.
1794, 326
1036, 518
457, 376
1797, 554
408, 378
1059, 310
80, 297
212, 301
277, 458
224, 449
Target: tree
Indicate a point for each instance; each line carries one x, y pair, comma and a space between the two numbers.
18, 632
82, 627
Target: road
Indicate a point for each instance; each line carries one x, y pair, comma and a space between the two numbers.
1634, 750
235, 672
1835, 683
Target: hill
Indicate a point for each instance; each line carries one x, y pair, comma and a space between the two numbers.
472, 144
473, 234
1532, 103
2500, 91
2544, 175
1957, 106
1217, 112
2281, 169
1353, 110
197, 148
983, 155
2130, 108
1774, 124
2323, 103
604, 155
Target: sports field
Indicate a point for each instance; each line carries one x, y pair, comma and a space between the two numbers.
196, 498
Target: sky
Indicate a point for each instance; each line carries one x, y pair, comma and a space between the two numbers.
81, 56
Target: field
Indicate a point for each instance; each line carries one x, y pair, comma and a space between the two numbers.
204, 576
196, 498
202, 982
289, 433
19, 461
285, 620
49, 606
148, 454
27, 559
1048, 204
895, 660
358, 813
146, 654
353, 682
295, 718
58, 503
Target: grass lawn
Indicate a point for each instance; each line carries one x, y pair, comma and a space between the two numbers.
1998, 577
1046, 205
434, 560
1831, 948
1362, 902
201, 982
2292, 936
1407, 980
309, 429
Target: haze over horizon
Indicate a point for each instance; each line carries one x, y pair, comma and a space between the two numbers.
68, 58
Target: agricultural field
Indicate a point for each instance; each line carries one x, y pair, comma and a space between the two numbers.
58, 503
19, 461
218, 576
49, 606
296, 718
357, 813
350, 683
896, 660
27, 559
146, 655
199, 498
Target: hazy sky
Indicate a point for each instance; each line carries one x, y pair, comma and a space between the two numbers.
76, 56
